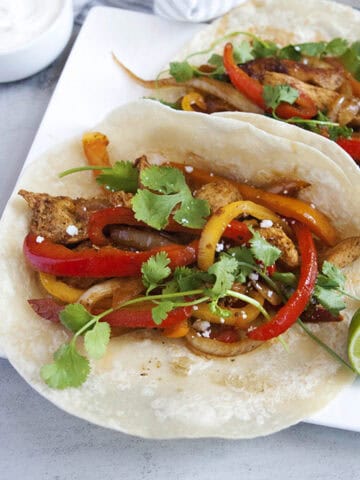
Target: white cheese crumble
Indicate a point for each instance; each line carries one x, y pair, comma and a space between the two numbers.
201, 325
189, 169
222, 320
72, 230
312, 205
219, 247
195, 307
266, 224
39, 239
206, 334
254, 276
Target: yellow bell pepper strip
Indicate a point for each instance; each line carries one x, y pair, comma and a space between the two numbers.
318, 223
218, 222
95, 149
177, 331
239, 317
294, 307
192, 98
60, 290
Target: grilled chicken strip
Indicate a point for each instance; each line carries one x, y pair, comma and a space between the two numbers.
322, 97
63, 219
277, 237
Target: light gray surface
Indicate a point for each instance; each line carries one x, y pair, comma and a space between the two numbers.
38, 441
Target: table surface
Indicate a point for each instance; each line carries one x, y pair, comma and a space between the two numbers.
39, 441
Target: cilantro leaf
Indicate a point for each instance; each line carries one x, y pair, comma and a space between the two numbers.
225, 273
287, 278
163, 179
351, 60
243, 52
274, 95
97, 339
336, 47
181, 71
160, 312
242, 254
74, 316
312, 49
263, 250
192, 213
329, 299
155, 209
262, 49
333, 273
217, 61
190, 278
122, 176
69, 369
154, 270
290, 52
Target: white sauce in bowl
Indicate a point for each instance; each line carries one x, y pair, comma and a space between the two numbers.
21, 21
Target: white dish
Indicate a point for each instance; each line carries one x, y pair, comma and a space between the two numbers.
91, 85
21, 62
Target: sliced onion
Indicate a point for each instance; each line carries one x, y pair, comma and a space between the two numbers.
220, 349
219, 89
267, 293
106, 290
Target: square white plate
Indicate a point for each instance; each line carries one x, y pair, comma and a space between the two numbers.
91, 85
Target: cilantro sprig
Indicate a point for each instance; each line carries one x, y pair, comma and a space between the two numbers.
122, 175
155, 209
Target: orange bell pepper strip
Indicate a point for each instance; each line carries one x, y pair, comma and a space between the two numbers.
304, 106
294, 208
95, 150
177, 331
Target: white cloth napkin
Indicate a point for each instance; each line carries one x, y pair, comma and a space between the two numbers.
193, 10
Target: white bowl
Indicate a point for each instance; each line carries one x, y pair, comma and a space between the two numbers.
41, 51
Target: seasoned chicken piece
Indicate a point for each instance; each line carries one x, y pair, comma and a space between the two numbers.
322, 97
120, 199
218, 193
329, 77
141, 163
344, 253
61, 219
277, 237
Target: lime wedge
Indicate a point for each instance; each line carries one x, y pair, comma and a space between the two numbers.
354, 342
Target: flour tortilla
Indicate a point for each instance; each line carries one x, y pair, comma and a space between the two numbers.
284, 22
155, 387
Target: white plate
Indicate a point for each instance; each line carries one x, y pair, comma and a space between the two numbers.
91, 85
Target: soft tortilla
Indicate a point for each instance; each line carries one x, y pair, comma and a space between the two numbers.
284, 22
155, 387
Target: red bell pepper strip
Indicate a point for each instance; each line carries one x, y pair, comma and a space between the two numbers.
253, 89
304, 107
237, 231
56, 259
138, 316
351, 146
291, 311
248, 86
